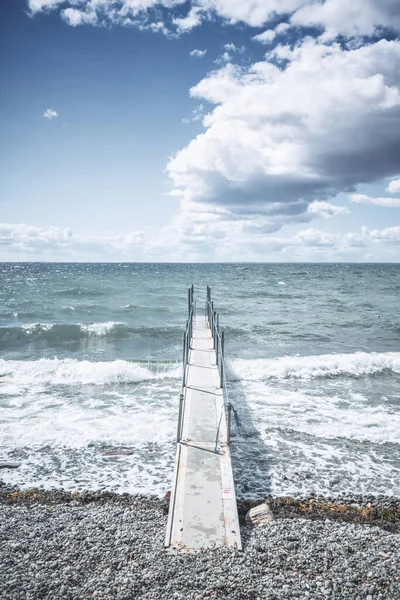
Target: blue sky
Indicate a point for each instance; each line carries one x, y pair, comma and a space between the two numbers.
200, 131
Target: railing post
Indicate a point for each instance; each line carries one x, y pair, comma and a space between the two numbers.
222, 358
228, 423
189, 301
179, 432
216, 338
214, 334
184, 359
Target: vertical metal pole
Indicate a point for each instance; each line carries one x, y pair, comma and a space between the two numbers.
216, 338
214, 330
188, 301
187, 346
180, 414
228, 424
184, 359
222, 358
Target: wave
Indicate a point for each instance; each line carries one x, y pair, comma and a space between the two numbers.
15, 374
311, 367
78, 292
52, 332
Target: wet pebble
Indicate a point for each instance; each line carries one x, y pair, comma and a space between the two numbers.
109, 550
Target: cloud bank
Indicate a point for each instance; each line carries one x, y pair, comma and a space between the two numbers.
303, 125
26, 242
17, 239
335, 17
283, 136
362, 199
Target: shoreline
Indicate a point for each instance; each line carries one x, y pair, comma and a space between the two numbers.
85, 545
380, 511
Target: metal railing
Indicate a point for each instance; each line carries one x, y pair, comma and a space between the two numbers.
187, 337
218, 338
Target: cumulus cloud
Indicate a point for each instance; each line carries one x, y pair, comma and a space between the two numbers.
198, 53
50, 114
29, 239
335, 17
268, 36
355, 18
326, 210
75, 17
231, 47
393, 186
192, 19
305, 124
362, 199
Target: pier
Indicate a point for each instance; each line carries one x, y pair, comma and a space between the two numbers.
203, 511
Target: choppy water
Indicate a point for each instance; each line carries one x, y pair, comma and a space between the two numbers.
90, 361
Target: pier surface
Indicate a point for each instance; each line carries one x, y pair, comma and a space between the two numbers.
203, 510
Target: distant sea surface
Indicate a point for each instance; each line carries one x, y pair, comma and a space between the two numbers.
90, 361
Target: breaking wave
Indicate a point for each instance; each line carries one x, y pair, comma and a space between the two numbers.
75, 332
311, 367
74, 372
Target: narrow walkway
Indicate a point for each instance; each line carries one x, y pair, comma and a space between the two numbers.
203, 510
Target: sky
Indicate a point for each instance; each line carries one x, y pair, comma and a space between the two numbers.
200, 131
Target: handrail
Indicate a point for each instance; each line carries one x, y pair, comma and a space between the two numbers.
218, 338
187, 337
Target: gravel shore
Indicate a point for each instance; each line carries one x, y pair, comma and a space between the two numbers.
112, 548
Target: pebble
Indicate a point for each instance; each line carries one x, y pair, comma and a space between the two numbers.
113, 549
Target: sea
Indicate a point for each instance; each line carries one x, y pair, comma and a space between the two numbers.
91, 362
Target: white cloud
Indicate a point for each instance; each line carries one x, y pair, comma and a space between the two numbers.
335, 17
38, 5
75, 17
50, 114
394, 186
270, 34
205, 238
231, 47
28, 239
198, 53
355, 18
265, 37
280, 138
391, 235
362, 199
192, 19
326, 210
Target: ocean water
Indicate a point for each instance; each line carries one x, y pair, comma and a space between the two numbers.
90, 361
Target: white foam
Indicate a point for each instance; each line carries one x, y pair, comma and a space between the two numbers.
308, 367
30, 374
343, 415
100, 329
92, 329
32, 327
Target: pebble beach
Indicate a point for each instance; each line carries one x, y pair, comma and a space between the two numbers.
110, 546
